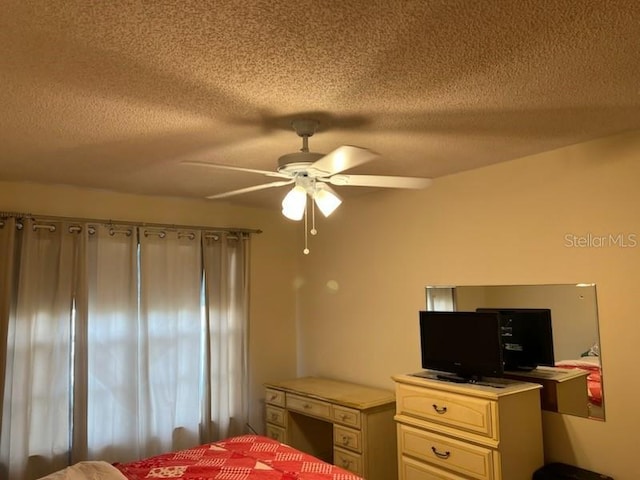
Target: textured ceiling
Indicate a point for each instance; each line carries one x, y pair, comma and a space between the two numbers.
114, 95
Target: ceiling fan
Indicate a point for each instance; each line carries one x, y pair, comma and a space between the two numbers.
312, 174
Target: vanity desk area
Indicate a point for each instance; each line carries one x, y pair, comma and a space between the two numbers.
461, 431
349, 425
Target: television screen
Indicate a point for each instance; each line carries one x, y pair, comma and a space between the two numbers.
466, 344
527, 337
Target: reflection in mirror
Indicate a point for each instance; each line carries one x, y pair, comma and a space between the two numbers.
574, 386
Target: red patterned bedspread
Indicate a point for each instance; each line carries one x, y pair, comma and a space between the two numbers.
248, 457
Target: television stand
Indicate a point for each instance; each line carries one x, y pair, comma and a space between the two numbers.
520, 368
472, 381
478, 432
457, 379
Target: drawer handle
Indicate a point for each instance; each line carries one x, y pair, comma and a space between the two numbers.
344, 416
306, 406
438, 454
346, 463
345, 440
274, 416
273, 397
439, 409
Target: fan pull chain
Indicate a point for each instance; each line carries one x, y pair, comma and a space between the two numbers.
306, 248
313, 230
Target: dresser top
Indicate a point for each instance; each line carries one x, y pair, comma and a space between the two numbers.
549, 373
502, 386
344, 393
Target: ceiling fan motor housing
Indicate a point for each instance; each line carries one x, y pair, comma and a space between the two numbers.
300, 162
305, 127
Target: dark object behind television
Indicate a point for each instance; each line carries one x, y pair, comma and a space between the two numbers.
465, 344
527, 337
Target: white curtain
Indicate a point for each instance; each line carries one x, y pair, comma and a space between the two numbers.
121, 342
111, 399
36, 412
227, 333
171, 339
441, 299
7, 289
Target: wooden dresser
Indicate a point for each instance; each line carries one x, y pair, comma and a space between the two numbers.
563, 390
349, 425
451, 431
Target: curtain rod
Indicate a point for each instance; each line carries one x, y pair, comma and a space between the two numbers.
124, 222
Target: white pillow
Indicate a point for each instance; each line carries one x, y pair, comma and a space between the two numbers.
89, 470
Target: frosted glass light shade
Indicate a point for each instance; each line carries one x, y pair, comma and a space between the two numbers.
326, 200
294, 203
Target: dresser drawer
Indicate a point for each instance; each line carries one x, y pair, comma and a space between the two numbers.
276, 415
316, 408
411, 469
463, 458
414, 470
472, 414
277, 433
347, 438
346, 416
348, 460
274, 397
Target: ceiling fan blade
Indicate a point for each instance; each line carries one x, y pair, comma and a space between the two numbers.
343, 158
380, 181
255, 188
237, 169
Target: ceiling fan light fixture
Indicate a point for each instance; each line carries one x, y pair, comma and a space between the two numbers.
326, 199
311, 173
294, 203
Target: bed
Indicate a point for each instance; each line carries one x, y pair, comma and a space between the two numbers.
246, 457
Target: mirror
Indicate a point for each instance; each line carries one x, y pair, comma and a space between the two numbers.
574, 386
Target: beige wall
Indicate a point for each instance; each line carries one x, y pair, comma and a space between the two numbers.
272, 330
506, 224
363, 283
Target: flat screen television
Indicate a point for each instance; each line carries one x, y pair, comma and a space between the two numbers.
465, 346
526, 335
